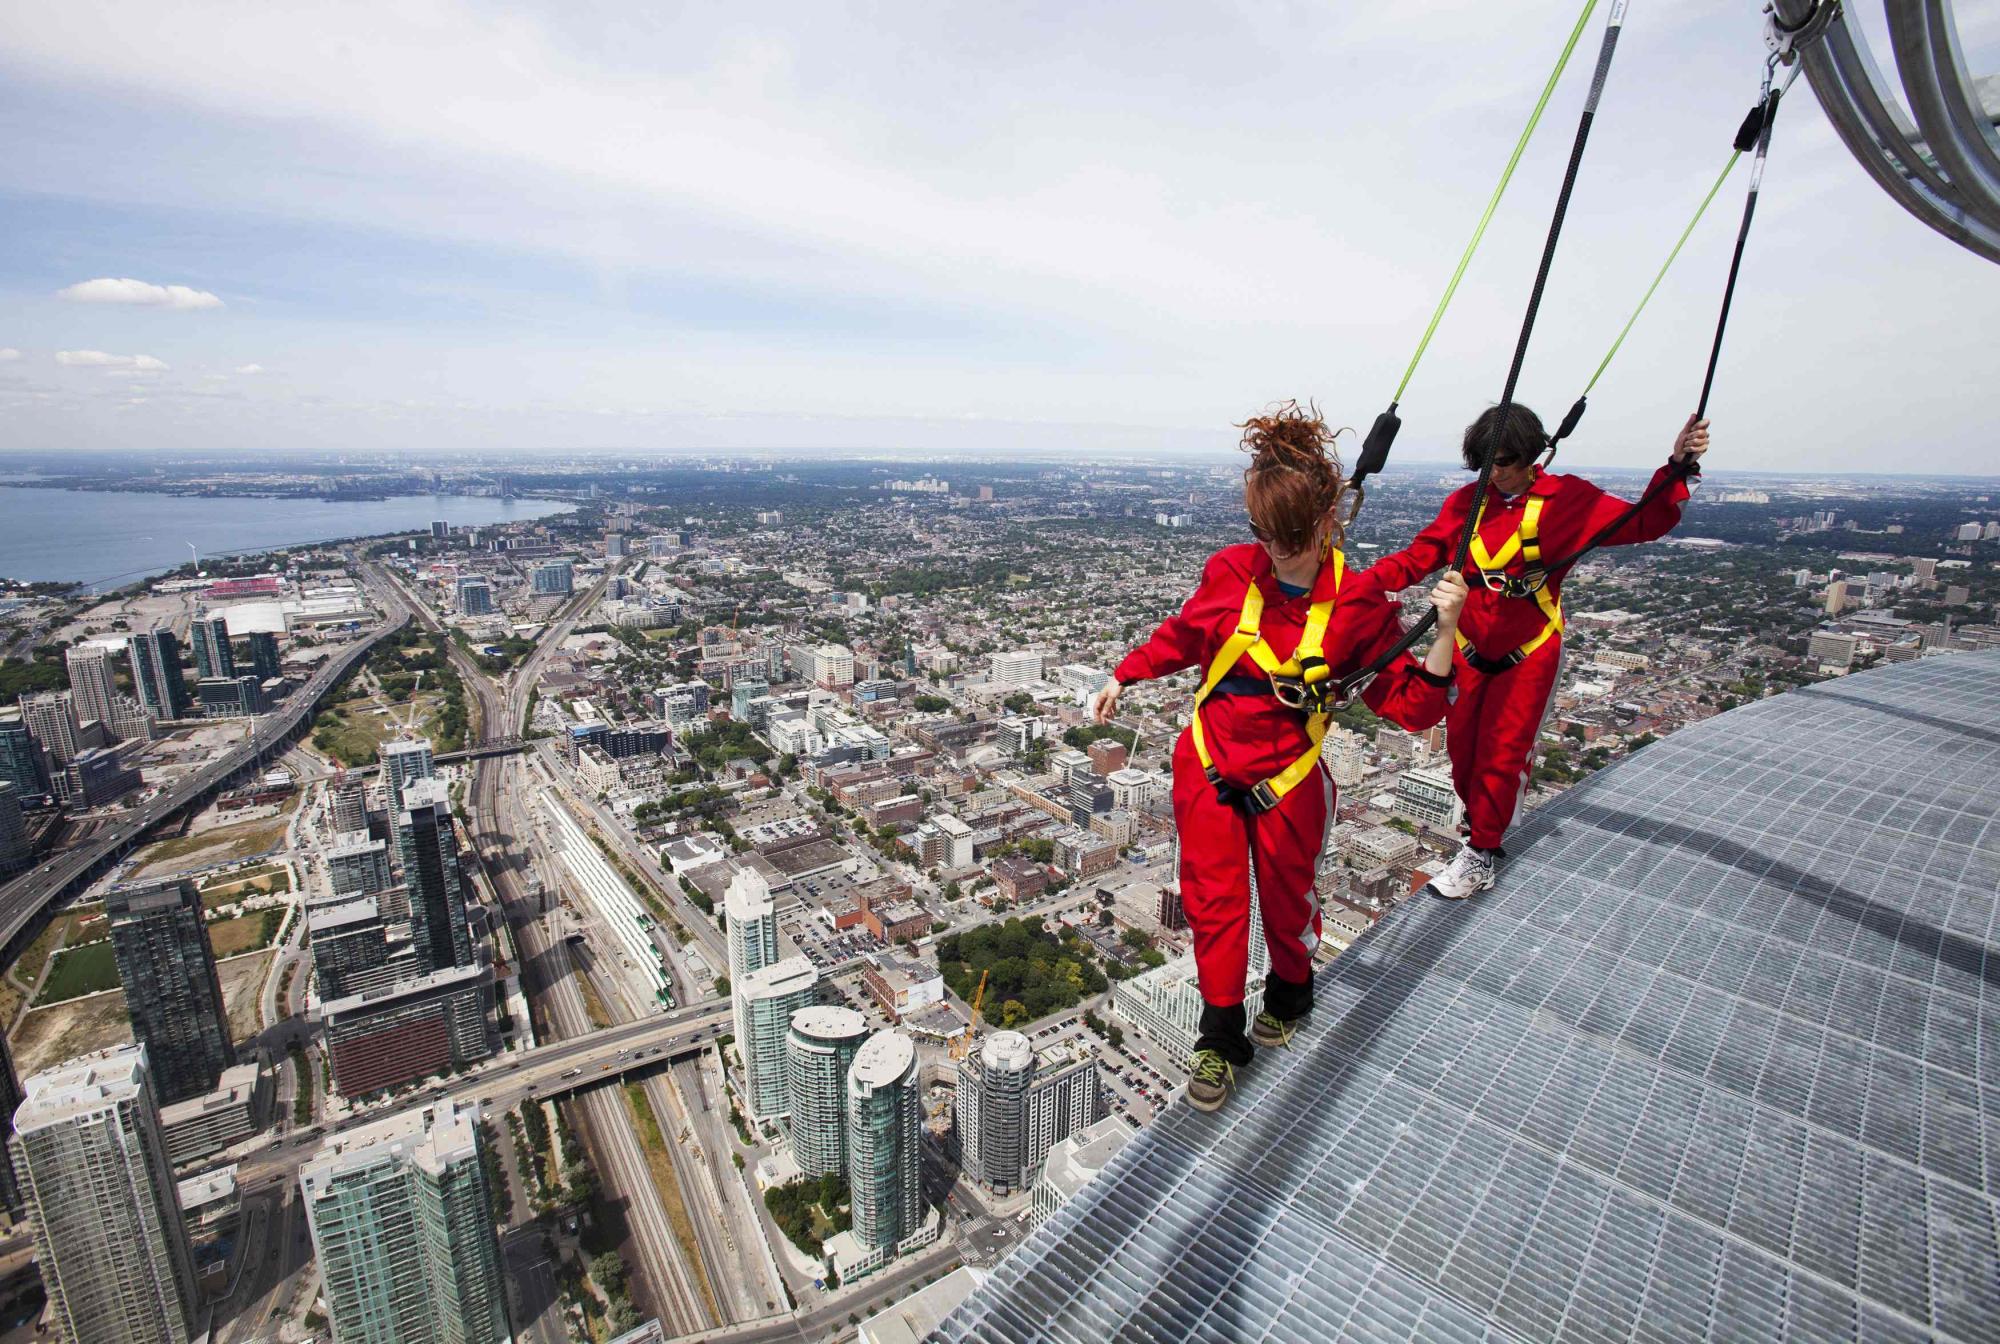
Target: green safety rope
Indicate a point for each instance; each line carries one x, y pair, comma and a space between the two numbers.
1499, 190
1626, 330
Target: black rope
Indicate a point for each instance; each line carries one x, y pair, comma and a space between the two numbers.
1756, 129
1480, 487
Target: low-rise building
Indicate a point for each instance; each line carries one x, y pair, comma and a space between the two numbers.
238, 1108
427, 1025
901, 987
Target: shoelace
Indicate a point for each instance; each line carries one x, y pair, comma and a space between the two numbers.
1212, 1068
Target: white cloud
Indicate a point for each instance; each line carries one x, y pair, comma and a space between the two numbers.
97, 359
249, 368
138, 292
8, 354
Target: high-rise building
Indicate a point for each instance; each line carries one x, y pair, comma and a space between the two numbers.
614, 545
1427, 796
556, 578
15, 854
440, 529
22, 762
172, 990
767, 998
97, 776
753, 936
93, 688
992, 1097
155, 655
475, 596
1346, 755
10, 1102
348, 941
1014, 669
51, 724
100, 1194
403, 1231
403, 761
427, 848
410, 1030
821, 1048
884, 1127
212, 655
828, 664
349, 795
1831, 648
359, 869
235, 697
264, 655
1015, 1102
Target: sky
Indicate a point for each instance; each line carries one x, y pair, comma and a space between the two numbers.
1097, 230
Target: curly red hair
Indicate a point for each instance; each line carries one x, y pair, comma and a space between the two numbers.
1294, 477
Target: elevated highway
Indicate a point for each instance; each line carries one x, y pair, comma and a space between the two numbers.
25, 900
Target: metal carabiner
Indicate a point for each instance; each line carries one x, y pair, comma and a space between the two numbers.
1290, 691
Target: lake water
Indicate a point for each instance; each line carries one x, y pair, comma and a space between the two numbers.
104, 538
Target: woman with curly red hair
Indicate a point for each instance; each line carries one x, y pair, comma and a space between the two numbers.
1271, 624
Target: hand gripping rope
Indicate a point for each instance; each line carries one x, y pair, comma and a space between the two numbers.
1753, 136
1360, 678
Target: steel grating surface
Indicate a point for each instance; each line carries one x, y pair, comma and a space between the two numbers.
1719, 1059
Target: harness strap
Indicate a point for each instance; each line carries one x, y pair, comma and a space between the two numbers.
1526, 543
1306, 660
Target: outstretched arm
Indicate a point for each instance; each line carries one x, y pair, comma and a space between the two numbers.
1663, 509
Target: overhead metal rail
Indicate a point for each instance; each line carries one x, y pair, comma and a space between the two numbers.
1943, 166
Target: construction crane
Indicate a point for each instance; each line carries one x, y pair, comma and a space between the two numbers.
963, 1042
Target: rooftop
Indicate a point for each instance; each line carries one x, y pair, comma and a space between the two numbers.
883, 1060
1721, 1055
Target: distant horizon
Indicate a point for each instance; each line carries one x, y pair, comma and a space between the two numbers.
274, 460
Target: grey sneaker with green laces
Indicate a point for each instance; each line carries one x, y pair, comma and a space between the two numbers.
1272, 1032
1209, 1079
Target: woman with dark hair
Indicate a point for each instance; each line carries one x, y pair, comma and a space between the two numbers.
1272, 624
1510, 646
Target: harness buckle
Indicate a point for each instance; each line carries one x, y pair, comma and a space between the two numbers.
1263, 798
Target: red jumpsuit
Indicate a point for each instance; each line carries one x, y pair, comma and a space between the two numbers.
1251, 737
1494, 720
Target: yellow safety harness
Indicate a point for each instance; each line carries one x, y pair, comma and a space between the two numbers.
1300, 682
1526, 544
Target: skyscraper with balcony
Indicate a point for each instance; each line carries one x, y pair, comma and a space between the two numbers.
22, 762
992, 1109
93, 688
767, 998
884, 1160
554, 579
428, 850
212, 655
752, 923
823, 1042
475, 595
172, 990
51, 724
11, 1097
155, 656
15, 854
100, 1195
403, 762
403, 1232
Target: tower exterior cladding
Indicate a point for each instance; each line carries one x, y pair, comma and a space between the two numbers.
884, 1124
769, 997
155, 656
403, 763
350, 804
428, 850
264, 655
753, 944
403, 1231
100, 1195
212, 655
172, 990
824, 1040
93, 687
22, 763
11, 1097
992, 1109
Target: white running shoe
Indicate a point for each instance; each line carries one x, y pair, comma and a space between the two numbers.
1470, 872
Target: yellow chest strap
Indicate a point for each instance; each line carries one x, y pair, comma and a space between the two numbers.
1308, 656
1526, 543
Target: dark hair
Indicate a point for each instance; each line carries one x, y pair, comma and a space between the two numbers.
1522, 438
1294, 476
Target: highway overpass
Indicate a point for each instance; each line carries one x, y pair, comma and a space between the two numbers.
27, 898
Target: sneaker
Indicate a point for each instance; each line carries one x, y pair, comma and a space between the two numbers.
1271, 1032
1470, 872
1209, 1079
